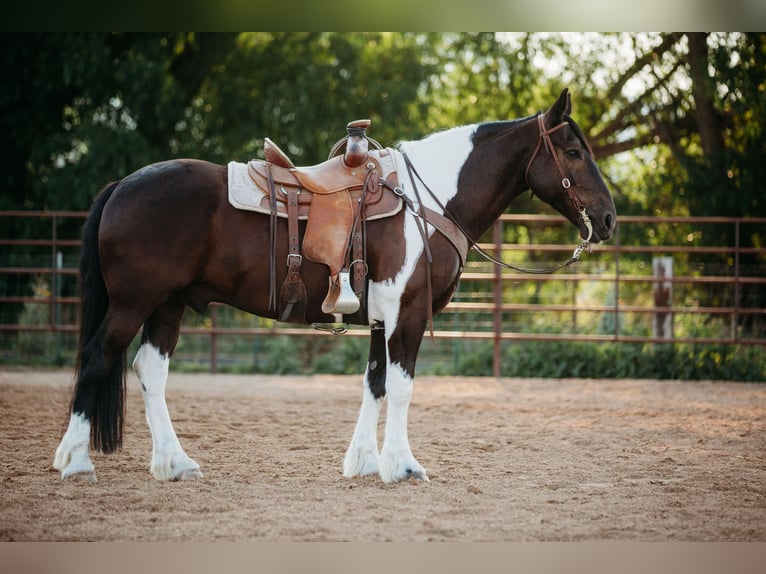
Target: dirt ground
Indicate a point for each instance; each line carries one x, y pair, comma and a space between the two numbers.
509, 460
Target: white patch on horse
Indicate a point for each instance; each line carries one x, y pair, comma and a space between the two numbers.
72, 457
385, 296
169, 461
438, 159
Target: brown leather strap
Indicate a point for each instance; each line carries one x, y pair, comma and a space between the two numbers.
358, 246
423, 228
272, 242
448, 229
294, 258
293, 292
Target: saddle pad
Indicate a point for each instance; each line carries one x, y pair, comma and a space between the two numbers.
245, 195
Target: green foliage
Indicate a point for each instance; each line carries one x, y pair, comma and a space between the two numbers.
85, 109
546, 359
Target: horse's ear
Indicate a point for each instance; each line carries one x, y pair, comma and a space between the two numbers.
562, 106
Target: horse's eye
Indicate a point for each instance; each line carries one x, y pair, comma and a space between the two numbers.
573, 154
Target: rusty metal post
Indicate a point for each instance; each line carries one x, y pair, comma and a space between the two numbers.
617, 281
54, 272
737, 285
497, 237
213, 339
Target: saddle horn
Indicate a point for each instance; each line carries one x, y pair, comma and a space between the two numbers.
357, 143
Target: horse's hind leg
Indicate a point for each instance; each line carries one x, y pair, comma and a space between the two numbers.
99, 394
362, 454
161, 330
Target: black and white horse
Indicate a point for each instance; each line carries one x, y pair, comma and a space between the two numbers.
166, 237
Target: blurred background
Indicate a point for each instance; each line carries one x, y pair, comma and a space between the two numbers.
676, 121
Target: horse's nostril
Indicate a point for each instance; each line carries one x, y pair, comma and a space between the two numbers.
608, 221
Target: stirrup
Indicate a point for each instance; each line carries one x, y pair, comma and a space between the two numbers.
341, 298
337, 328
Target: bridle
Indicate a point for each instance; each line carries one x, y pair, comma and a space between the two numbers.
544, 137
550, 152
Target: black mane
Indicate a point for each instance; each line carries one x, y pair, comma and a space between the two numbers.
492, 129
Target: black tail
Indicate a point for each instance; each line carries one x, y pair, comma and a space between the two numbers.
108, 416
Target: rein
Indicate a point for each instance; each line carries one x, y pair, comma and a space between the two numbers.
565, 182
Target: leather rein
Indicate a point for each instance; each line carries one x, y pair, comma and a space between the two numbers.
565, 183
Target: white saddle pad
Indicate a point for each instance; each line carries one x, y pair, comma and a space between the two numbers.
243, 193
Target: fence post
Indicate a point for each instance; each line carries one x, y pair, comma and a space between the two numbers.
57, 307
662, 326
617, 281
497, 236
737, 285
213, 339
54, 274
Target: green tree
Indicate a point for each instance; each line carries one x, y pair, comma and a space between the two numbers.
85, 109
301, 89
676, 120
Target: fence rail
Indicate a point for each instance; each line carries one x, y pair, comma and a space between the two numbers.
615, 286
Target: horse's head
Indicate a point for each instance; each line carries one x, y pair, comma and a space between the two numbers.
563, 173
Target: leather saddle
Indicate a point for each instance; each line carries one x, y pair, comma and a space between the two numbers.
337, 197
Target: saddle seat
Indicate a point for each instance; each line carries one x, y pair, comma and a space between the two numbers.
334, 197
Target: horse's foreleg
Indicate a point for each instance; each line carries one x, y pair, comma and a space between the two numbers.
362, 454
169, 461
396, 459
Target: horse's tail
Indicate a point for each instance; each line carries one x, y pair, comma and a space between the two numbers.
108, 416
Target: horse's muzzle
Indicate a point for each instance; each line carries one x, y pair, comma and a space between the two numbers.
603, 227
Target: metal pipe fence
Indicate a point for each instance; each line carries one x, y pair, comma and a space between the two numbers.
712, 289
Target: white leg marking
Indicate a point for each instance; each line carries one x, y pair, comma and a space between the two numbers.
362, 454
396, 460
72, 457
169, 461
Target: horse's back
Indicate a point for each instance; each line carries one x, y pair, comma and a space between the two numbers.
167, 186
159, 221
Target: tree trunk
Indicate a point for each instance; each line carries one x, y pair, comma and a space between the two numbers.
703, 90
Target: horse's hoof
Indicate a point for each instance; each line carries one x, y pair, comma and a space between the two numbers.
188, 474
361, 463
416, 475
84, 476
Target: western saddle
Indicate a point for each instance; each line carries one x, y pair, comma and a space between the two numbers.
337, 197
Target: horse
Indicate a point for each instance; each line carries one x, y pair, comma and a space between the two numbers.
166, 238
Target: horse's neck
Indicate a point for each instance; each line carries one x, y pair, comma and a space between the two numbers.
438, 160
478, 201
